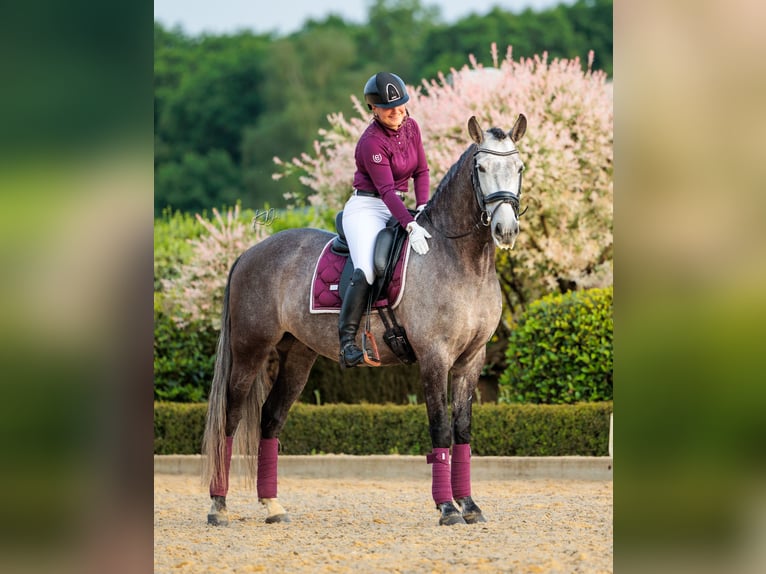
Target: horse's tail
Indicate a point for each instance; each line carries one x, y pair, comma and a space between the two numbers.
247, 436
214, 439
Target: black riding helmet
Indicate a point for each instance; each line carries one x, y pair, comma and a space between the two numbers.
385, 90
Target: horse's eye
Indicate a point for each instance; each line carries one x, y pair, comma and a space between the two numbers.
481, 169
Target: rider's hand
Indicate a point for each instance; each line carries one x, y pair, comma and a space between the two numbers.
421, 207
418, 237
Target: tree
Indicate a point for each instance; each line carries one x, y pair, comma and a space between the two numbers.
217, 97
592, 23
561, 31
394, 35
206, 92
197, 182
308, 75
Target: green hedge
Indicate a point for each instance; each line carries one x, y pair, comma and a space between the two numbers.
560, 351
183, 358
498, 430
178, 427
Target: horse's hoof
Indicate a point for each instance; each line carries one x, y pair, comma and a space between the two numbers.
470, 511
218, 519
277, 518
275, 512
450, 515
451, 519
218, 515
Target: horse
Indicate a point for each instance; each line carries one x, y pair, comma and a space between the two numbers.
473, 211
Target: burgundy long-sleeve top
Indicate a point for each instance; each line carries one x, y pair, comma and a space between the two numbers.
385, 161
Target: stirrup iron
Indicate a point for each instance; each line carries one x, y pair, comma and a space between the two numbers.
371, 355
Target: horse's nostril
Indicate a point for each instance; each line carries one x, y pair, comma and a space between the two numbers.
505, 230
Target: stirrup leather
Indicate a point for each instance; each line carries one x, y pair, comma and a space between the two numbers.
371, 355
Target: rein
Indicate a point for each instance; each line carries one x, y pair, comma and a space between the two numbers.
502, 196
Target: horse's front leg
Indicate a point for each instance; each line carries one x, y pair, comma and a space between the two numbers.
435, 386
464, 381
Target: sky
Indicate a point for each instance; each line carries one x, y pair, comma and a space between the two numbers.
287, 16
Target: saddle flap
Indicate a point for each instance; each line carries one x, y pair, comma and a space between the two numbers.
382, 254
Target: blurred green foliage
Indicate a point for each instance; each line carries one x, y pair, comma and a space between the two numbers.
560, 351
691, 399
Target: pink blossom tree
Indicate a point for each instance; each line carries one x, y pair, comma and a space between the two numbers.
197, 292
566, 240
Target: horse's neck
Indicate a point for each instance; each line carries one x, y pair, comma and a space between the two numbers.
455, 212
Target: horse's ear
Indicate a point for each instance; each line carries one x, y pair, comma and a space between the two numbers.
473, 128
519, 128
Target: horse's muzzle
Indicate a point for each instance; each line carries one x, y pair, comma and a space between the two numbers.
505, 229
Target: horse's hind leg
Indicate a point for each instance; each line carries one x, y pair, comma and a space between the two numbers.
295, 362
245, 367
464, 380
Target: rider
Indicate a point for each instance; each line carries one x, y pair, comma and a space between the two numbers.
388, 154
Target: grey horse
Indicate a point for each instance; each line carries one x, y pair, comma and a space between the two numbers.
450, 308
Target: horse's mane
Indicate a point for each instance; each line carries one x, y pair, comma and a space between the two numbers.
454, 170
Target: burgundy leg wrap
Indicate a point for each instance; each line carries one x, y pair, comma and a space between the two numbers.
441, 488
219, 486
461, 470
267, 468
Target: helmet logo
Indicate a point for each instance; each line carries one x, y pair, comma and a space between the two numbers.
377, 158
392, 93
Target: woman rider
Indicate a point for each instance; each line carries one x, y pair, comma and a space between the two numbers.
388, 154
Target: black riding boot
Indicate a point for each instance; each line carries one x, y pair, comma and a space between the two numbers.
354, 303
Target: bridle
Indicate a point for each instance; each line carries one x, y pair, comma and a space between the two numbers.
498, 196
502, 196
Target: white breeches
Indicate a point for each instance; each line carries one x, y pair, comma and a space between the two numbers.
363, 218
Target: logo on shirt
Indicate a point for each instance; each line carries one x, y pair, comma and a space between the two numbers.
377, 158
